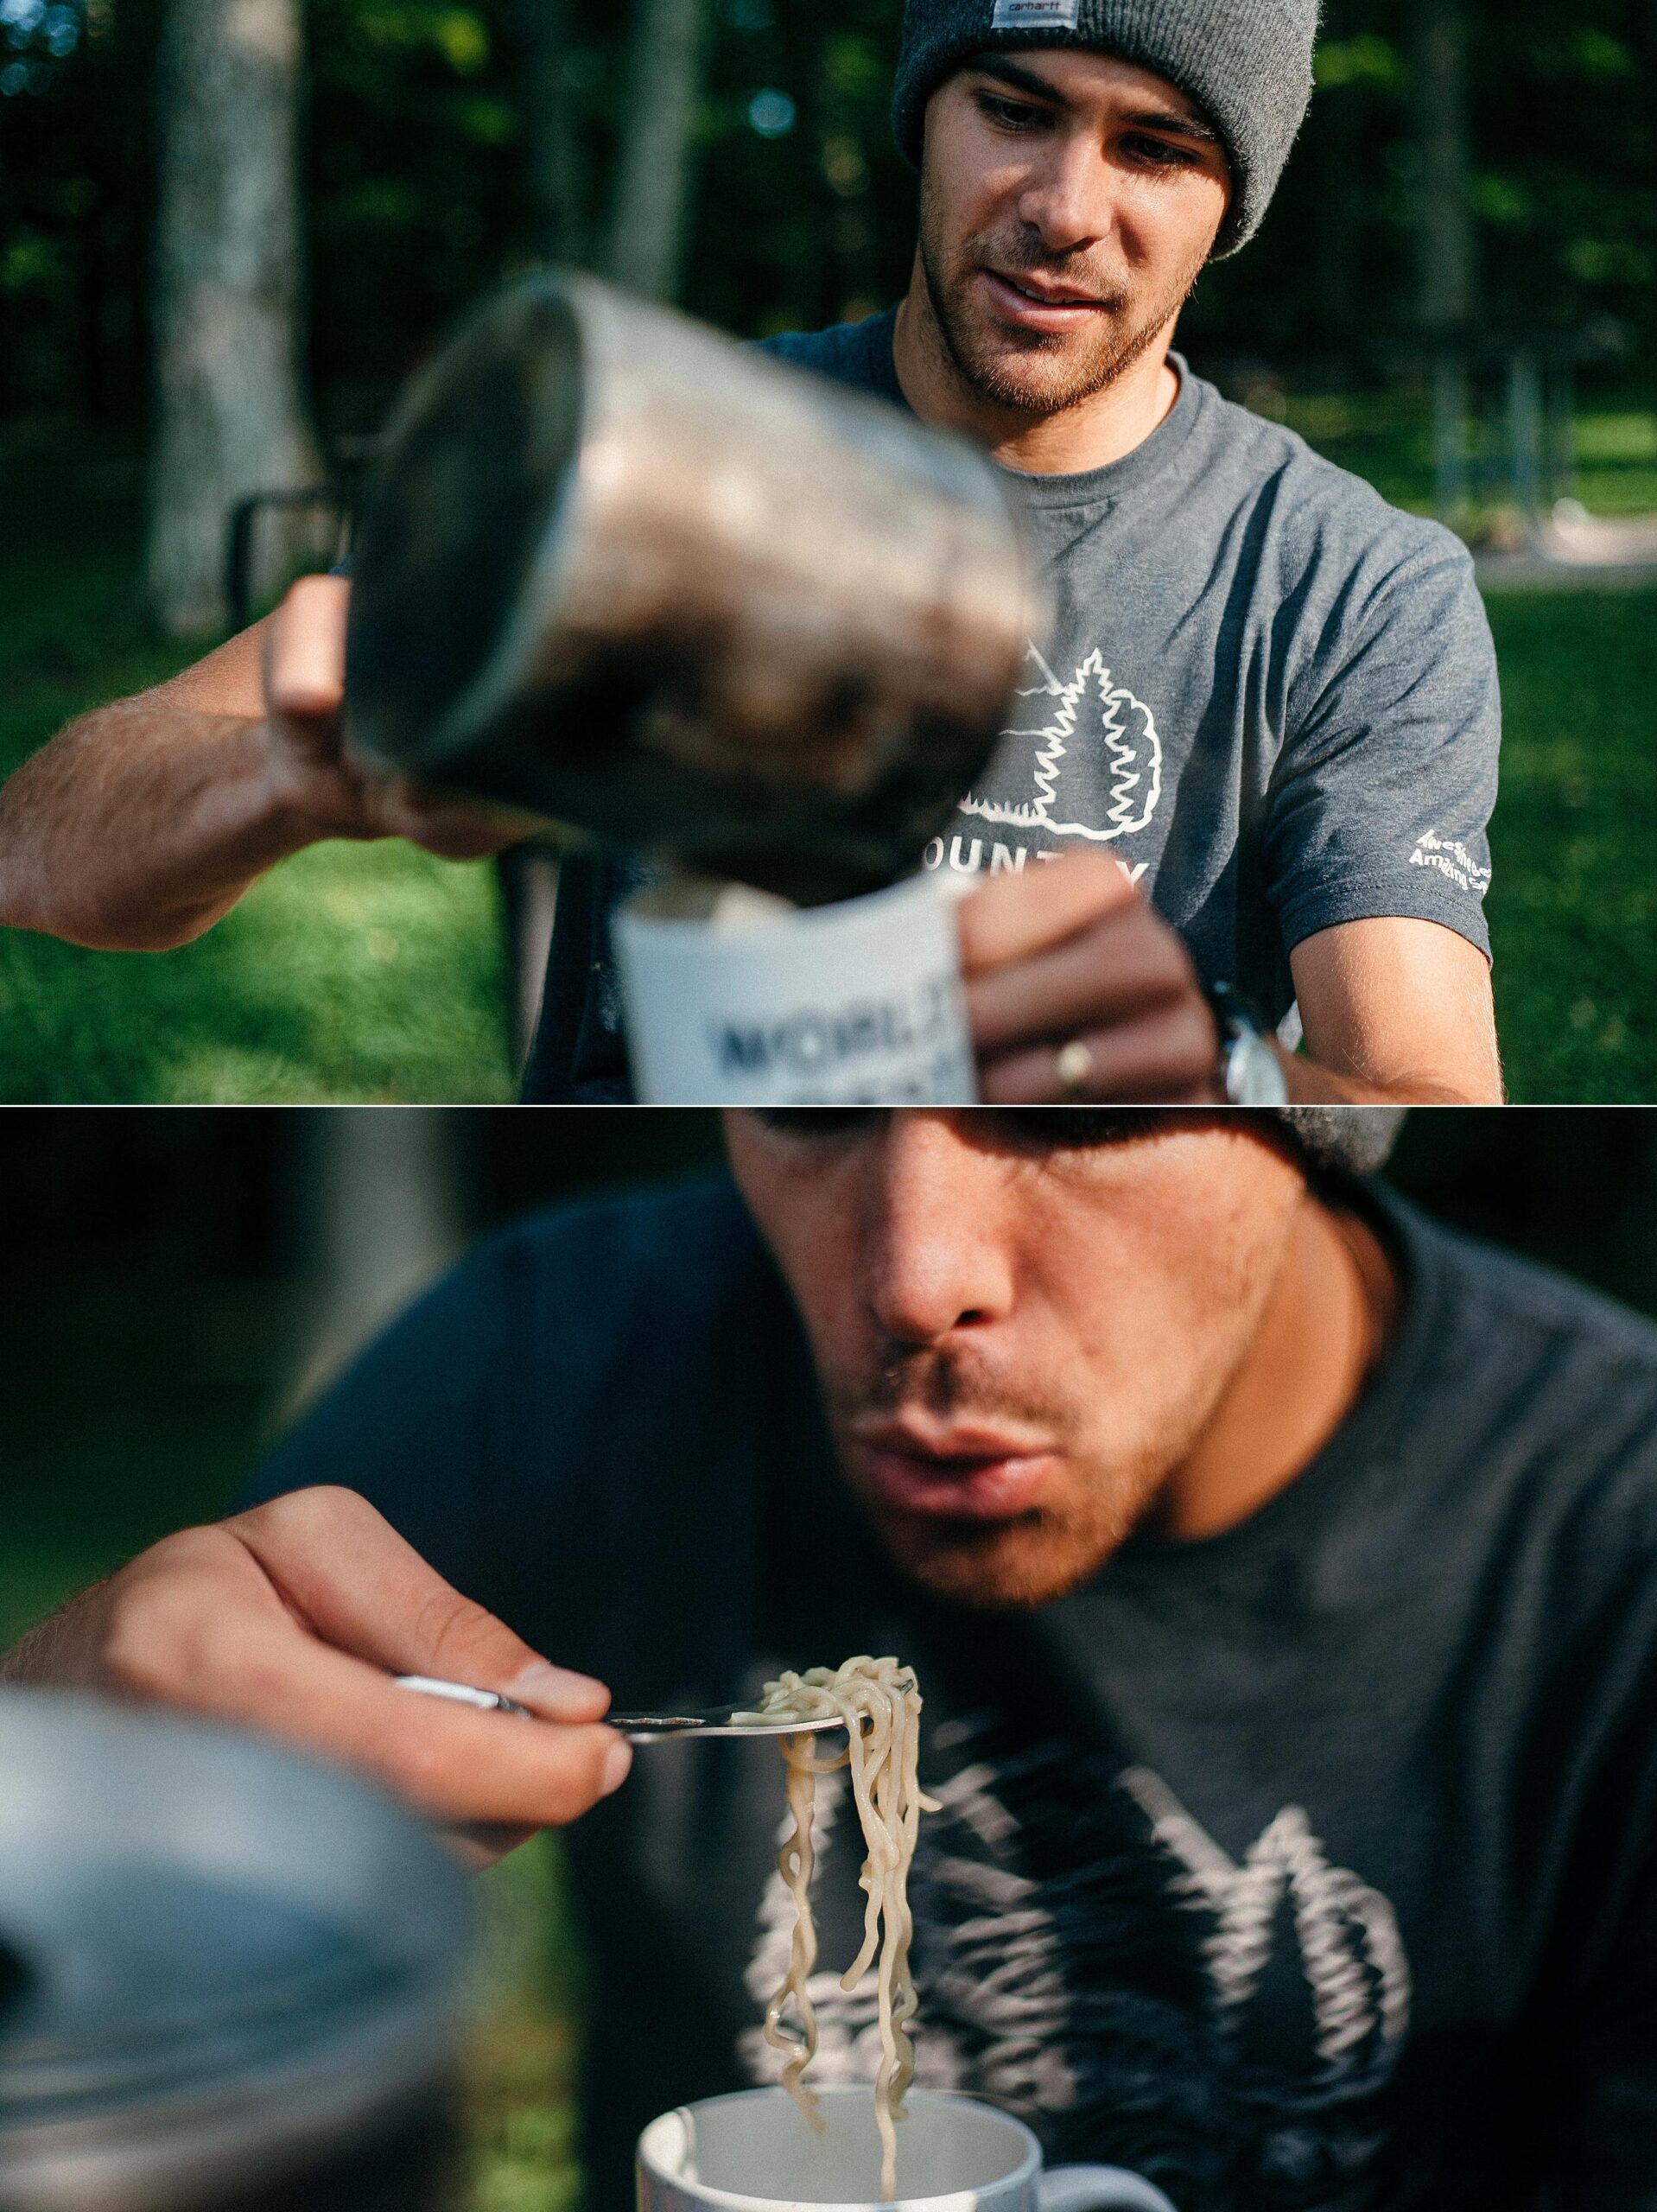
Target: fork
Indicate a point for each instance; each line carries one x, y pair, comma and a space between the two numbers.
636, 1728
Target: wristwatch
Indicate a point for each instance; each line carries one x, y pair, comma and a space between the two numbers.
1248, 1072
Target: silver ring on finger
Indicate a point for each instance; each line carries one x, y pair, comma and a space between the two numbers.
1074, 1068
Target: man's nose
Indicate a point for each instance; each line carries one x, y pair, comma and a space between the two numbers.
937, 1254
1065, 199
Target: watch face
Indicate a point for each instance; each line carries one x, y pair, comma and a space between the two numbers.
1254, 1074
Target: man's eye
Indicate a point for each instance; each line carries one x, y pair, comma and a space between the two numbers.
1159, 153
818, 1122
1069, 1128
1011, 114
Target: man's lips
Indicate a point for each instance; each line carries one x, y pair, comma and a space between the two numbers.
954, 1474
1035, 306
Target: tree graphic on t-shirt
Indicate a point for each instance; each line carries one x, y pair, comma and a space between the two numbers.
1098, 760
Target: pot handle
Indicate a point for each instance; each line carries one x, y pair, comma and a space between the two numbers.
1098, 2189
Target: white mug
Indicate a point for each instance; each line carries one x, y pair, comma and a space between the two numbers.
735, 998
754, 2151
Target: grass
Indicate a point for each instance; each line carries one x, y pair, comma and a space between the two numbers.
1573, 902
1387, 437
522, 2052
374, 972
350, 973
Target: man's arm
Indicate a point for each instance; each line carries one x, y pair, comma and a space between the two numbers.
141, 823
1395, 1011
292, 1619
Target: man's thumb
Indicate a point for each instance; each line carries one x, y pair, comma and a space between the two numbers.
305, 659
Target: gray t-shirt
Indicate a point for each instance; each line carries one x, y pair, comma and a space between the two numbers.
1270, 696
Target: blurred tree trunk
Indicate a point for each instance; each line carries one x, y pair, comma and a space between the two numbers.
1337, 126
227, 292
1446, 277
653, 176
555, 162
382, 1196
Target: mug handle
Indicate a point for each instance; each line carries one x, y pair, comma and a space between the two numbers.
1097, 2189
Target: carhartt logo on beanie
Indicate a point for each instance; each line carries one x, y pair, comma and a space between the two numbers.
1247, 64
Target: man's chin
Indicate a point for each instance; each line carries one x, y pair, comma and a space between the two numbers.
1011, 1566
1029, 376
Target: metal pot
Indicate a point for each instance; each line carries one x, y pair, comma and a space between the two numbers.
236, 1976
626, 574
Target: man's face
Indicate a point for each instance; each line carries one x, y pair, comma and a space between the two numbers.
1018, 1339
1082, 179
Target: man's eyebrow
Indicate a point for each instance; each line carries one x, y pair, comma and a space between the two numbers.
1026, 81
1176, 124
1170, 119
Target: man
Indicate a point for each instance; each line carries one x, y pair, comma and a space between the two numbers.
1257, 751
1277, 1567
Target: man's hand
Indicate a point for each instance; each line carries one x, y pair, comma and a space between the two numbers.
1069, 954
291, 1619
312, 781
1396, 1010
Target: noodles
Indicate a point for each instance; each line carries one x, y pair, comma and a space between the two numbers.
880, 1705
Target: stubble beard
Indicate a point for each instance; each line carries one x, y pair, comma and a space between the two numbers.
1017, 1566
1046, 374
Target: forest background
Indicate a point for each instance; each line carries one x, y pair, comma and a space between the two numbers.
1453, 295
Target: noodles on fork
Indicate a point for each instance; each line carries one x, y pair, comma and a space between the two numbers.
880, 1705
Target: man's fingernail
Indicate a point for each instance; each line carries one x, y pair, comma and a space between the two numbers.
541, 1683
618, 1764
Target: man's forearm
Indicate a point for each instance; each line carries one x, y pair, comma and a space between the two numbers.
138, 825
1397, 1012
1310, 1084
45, 1653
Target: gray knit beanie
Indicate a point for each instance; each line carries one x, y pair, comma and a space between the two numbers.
1247, 63
1341, 1140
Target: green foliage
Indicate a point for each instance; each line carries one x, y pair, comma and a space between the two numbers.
1365, 60
418, 185
90, 1484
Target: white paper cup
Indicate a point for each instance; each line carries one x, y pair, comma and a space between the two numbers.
735, 998
755, 2152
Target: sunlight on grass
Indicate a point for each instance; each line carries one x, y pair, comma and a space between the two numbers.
1387, 437
351, 972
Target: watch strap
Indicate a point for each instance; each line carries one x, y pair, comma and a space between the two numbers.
1248, 1072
